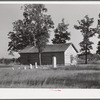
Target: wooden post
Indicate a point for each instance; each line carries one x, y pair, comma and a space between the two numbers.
54, 62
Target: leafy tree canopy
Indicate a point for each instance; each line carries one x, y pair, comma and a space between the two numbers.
98, 48
34, 29
61, 33
98, 32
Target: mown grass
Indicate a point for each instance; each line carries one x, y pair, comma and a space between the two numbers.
80, 76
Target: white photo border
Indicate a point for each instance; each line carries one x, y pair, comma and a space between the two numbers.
43, 93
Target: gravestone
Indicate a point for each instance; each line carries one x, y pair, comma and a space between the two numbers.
36, 65
54, 62
30, 67
24, 67
12, 68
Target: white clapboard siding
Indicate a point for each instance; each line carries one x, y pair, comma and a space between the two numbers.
68, 53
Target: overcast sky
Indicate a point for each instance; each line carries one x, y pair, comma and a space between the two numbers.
71, 12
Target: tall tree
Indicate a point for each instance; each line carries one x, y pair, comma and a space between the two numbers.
61, 33
87, 32
98, 32
34, 29
98, 48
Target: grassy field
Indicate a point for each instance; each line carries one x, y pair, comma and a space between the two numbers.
80, 76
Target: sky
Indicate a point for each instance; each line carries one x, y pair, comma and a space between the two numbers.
70, 12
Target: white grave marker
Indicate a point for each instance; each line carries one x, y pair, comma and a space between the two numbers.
36, 65
54, 62
24, 67
31, 66
12, 68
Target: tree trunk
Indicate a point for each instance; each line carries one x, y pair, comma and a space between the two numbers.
85, 58
39, 58
86, 55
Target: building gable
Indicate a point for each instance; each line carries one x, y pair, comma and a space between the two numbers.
70, 52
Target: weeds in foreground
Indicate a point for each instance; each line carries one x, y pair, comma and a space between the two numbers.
51, 78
